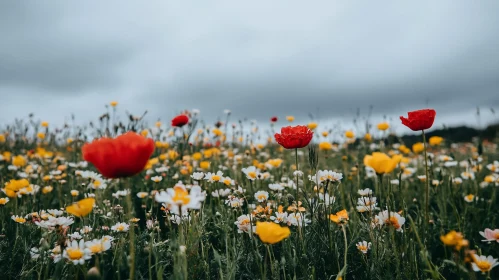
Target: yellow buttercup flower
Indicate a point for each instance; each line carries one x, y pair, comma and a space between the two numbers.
7, 156
383, 126
275, 162
14, 186
325, 133
2, 138
197, 156
173, 154
44, 124
217, 132
151, 162
162, 145
404, 149
418, 148
113, 103
435, 140
81, 208
454, 239
349, 134
340, 217
144, 132
207, 153
381, 162
325, 146
47, 189
290, 118
19, 161
40, 135
271, 233
368, 137
42, 153
312, 125
204, 165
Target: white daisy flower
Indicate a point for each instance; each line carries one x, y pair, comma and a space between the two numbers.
276, 187
243, 224
198, 176
483, 263
261, 196
76, 252
221, 193
179, 196
156, 179
365, 192
98, 246
120, 227
251, 172
326, 176
390, 218
363, 246
214, 177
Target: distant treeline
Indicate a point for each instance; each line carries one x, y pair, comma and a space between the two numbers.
457, 134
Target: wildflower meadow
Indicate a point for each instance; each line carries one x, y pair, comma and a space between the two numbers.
126, 198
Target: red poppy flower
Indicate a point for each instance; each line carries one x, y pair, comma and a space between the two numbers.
180, 120
419, 120
273, 119
123, 156
294, 137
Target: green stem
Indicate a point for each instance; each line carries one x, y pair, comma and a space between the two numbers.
296, 161
427, 181
132, 236
346, 252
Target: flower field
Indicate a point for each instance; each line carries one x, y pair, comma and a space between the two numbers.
183, 199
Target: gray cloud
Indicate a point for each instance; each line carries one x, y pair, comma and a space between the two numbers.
257, 59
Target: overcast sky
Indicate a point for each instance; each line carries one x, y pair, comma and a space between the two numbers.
257, 58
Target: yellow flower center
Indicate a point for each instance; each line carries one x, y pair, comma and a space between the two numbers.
245, 222
496, 235
20, 220
262, 197
483, 265
394, 222
96, 248
362, 247
120, 228
181, 195
469, 197
215, 178
252, 174
227, 182
74, 254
